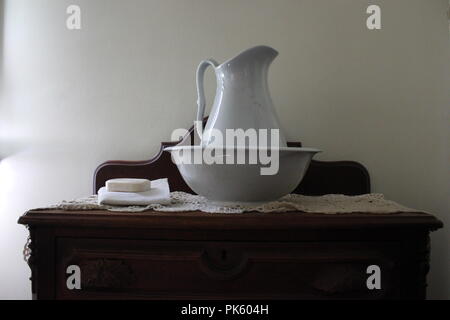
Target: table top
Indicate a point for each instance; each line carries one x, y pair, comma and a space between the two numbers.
200, 220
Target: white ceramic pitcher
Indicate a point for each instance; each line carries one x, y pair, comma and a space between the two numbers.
242, 98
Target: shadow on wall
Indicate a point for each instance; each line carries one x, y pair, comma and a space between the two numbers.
2, 37
7, 147
2, 14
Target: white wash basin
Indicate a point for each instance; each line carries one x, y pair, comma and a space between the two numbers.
242, 183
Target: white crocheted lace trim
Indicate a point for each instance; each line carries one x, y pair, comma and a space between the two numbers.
182, 202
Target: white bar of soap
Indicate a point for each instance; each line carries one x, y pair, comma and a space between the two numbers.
128, 185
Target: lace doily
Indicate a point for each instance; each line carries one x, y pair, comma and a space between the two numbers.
181, 202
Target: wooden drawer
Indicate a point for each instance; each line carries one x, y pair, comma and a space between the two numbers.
112, 268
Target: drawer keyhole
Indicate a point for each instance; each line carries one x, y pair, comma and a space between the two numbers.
224, 255
223, 263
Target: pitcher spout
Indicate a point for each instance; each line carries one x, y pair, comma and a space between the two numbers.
266, 51
260, 53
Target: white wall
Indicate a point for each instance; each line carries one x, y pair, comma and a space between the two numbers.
378, 97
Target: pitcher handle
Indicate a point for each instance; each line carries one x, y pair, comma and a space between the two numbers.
200, 90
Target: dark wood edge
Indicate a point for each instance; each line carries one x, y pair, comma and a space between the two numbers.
201, 220
345, 163
334, 164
